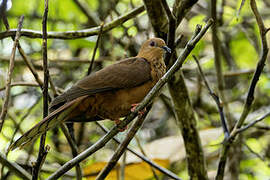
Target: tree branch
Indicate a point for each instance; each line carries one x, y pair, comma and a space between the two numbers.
102, 141
145, 159
74, 149
42, 151
75, 34
9, 74
251, 90
92, 19
13, 167
95, 49
122, 147
246, 127
216, 99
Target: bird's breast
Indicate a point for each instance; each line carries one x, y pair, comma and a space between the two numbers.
158, 69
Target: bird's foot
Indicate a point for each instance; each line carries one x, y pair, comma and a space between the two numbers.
118, 121
141, 112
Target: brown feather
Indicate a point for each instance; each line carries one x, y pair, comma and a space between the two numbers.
114, 77
108, 93
49, 122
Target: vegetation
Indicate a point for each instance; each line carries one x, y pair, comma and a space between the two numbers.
210, 120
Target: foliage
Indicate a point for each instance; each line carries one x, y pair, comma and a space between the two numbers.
69, 61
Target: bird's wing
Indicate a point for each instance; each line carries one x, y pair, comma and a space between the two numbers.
49, 122
127, 73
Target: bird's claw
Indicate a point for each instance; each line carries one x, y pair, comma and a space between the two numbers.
141, 112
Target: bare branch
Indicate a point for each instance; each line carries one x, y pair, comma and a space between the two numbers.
250, 96
102, 141
43, 152
95, 49
216, 99
28, 62
252, 123
259, 68
92, 19
20, 84
13, 167
122, 147
76, 34
171, 29
145, 159
9, 74
74, 150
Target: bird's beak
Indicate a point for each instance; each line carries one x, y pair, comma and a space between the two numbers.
166, 49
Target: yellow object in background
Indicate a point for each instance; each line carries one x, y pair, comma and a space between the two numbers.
133, 171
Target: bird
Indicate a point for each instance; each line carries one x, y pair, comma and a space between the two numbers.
110, 93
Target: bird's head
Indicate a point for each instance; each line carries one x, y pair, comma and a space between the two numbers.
153, 48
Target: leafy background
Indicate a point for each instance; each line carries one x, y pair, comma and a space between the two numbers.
159, 136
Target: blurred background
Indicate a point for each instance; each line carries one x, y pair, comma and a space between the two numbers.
160, 136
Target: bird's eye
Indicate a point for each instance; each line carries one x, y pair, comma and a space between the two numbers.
152, 43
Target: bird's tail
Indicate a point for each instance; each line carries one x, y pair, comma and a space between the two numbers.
59, 115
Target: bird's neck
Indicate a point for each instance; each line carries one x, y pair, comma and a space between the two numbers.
151, 55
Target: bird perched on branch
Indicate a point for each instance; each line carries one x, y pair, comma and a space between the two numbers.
110, 93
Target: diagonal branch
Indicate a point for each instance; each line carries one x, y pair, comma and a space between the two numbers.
145, 159
115, 130
9, 74
74, 149
13, 167
246, 127
122, 147
251, 90
92, 19
216, 99
28, 61
259, 68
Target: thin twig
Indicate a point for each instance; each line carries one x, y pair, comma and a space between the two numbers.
40, 161
216, 99
259, 68
122, 147
154, 91
252, 123
42, 152
92, 19
145, 159
240, 8
171, 30
143, 152
20, 84
123, 166
82, 125
251, 90
95, 49
74, 150
217, 58
9, 74
27, 60
255, 153
76, 34
181, 8
221, 12
13, 167
17, 126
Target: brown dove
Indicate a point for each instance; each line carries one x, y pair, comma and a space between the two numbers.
109, 93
